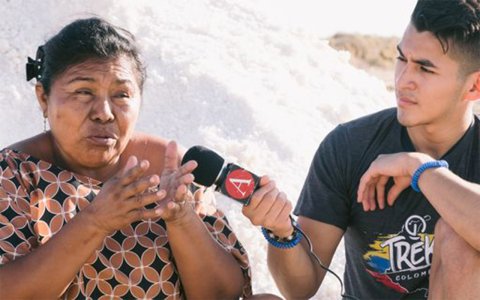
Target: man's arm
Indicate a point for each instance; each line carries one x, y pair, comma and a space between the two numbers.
456, 200
295, 271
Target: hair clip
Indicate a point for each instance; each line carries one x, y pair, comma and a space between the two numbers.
34, 67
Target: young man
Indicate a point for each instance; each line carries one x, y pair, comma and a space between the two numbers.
389, 251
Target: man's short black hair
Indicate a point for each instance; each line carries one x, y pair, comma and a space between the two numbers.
456, 24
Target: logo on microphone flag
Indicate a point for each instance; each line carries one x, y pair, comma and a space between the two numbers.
240, 184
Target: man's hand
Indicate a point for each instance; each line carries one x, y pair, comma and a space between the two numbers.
270, 208
399, 167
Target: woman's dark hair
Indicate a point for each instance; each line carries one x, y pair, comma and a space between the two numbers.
456, 24
85, 39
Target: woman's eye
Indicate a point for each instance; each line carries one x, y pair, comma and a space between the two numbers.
83, 92
123, 95
401, 58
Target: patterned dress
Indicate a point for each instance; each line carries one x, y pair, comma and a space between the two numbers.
38, 198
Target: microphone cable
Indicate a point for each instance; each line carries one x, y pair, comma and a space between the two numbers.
312, 253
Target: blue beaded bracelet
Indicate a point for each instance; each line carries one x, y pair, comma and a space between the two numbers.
422, 168
283, 243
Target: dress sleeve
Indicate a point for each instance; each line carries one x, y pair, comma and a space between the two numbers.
16, 236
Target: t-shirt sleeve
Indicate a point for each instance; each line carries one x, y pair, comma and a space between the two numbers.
16, 237
324, 196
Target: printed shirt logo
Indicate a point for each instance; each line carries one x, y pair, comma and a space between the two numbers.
400, 260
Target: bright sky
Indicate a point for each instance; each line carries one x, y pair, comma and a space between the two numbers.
378, 17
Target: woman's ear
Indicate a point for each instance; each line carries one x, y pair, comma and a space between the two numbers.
41, 98
474, 92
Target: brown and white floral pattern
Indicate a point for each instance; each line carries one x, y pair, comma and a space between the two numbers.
38, 198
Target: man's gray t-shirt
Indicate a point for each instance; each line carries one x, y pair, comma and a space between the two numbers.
388, 252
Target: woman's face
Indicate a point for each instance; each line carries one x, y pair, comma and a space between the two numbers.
92, 109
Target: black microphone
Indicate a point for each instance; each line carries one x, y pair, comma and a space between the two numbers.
230, 179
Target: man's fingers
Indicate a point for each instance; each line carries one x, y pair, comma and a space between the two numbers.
365, 202
265, 202
393, 194
259, 194
264, 180
371, 198
286, 211
380, 186
363, 186
274, 213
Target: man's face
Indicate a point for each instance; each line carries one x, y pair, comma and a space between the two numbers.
92, 110
428, 87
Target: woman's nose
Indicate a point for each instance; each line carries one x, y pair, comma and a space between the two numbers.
102, 110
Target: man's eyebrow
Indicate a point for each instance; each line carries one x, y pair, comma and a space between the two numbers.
400, 50
422, 62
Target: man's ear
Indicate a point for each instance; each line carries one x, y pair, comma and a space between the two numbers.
474, 92
42, 98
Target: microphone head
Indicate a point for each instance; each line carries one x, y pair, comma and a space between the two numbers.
209, 164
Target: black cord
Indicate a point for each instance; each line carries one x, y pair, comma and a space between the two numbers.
346, 296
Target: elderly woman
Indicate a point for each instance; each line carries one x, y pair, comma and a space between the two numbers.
92, 208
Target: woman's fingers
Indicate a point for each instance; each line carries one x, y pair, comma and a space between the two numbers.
142, 200
186, 168
171, 157
175, 206
180, 194
141, 185
132, 170
143, 214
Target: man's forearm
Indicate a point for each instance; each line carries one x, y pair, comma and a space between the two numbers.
456, 200
295, 271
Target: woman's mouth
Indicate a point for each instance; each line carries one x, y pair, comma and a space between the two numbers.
102, 140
